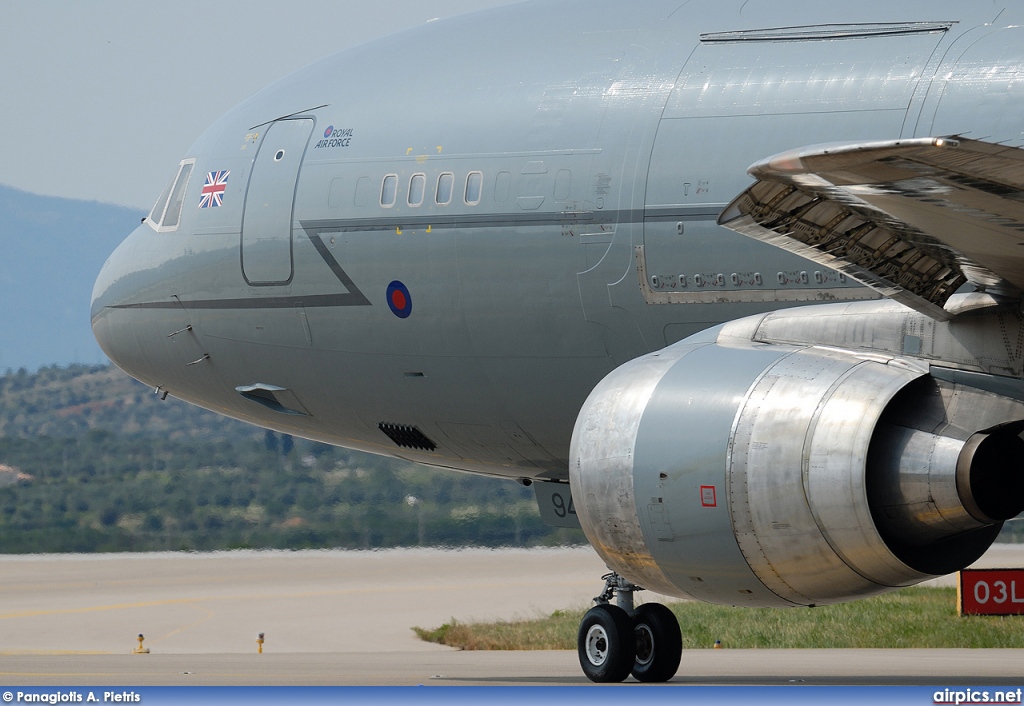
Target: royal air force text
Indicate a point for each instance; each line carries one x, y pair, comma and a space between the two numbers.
338, 138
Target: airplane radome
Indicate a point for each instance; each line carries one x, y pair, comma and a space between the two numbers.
526, 243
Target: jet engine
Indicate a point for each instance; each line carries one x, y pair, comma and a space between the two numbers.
750, 474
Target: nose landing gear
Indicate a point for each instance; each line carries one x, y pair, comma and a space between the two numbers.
615, 641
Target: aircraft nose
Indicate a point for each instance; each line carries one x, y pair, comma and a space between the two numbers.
120, 283
101, 295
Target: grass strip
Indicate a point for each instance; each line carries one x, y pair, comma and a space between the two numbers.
911, 617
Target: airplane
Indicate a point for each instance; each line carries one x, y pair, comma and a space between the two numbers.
734, 285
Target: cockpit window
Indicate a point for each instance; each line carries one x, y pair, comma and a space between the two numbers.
167, 212
173, 213
157, 214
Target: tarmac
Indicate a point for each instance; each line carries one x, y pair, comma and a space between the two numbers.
346, 618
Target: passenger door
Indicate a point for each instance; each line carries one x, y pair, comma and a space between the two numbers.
267, 219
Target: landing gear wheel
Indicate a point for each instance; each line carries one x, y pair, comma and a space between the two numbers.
606, 645
659, 644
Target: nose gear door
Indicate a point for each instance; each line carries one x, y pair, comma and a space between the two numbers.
267, 220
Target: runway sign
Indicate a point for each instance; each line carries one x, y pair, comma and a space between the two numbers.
990, 592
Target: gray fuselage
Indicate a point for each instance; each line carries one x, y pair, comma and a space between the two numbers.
448, 237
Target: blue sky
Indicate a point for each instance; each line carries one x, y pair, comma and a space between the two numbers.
101, 99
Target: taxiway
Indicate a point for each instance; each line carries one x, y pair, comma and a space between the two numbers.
340, 618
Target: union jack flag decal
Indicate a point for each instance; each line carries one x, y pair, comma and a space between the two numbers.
213, 190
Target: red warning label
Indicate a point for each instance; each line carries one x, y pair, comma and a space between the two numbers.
708, 496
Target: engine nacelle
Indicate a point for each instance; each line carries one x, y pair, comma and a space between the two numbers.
750, 474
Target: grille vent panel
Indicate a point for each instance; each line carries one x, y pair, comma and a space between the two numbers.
407, 437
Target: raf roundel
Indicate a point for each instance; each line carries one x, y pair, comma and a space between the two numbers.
328, 132
399, 300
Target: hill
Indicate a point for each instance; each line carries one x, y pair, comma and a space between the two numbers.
70, 401
91, 460
51, 250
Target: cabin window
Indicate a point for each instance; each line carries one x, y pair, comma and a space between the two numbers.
474, 181
445, 187
417, 187
389, 191
166, 214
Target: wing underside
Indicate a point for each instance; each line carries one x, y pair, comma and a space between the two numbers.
913, 219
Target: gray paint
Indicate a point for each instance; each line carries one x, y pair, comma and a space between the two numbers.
266, 223
606, 150
683, 446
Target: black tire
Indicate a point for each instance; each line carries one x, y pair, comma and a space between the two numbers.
659, 644
606, 644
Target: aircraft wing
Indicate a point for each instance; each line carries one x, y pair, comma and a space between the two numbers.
912, 219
